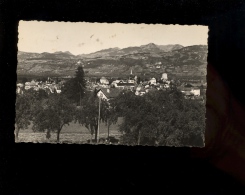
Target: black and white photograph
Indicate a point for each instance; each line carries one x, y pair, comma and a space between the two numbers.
111, 83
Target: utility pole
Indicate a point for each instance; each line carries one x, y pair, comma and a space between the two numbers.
80, 100
98, 131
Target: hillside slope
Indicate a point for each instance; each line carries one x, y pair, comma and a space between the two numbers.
144, 60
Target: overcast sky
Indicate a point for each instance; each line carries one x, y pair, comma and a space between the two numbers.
82, 37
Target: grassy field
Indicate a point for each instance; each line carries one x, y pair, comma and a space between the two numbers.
74, 133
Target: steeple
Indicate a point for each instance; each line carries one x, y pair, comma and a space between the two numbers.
131, 72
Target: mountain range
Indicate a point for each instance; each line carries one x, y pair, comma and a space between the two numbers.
145, 59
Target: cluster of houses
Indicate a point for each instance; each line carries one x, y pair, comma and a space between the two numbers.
50, 86
109, 89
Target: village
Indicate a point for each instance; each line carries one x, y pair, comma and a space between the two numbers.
109, 88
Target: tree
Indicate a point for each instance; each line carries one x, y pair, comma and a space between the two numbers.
161, 118
22, 112
110, 115
188, 85
87, 114
75, 87
36, 95
127, 105
172, 86
97, 80
161, 81
138, 80
52, 113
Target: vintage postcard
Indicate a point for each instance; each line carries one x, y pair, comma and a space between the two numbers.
102, 83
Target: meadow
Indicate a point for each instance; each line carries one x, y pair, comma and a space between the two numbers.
73, 133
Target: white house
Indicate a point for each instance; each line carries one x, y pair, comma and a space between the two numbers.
131, 81
153, 81
79, 62
114, 83
195, 92
31, 84
104, 85
138, 88
20, 85
27, 87
103, 80
36, 88
19, 90
140, 92
164, 76
102, 95
166, 85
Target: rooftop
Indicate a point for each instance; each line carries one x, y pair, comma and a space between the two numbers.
181, 88
113, 92
125, 84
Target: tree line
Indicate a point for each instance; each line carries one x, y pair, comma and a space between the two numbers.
156, 118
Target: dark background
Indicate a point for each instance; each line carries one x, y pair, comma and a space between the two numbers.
216, 169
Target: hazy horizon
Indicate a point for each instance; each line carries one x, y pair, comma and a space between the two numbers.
101, 49
84, 38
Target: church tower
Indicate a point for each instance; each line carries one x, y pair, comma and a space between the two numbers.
131, 76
